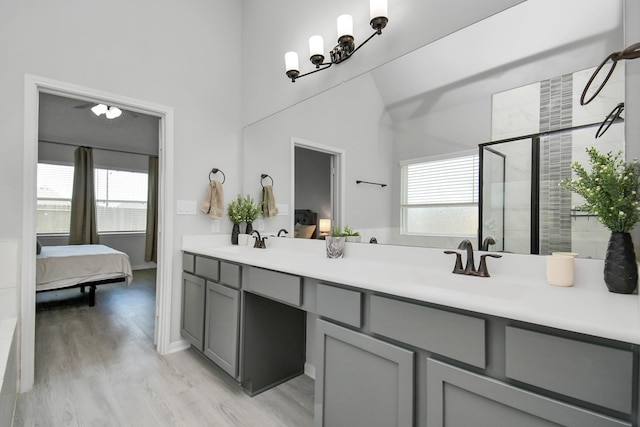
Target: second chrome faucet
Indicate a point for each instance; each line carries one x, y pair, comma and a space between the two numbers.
470, 268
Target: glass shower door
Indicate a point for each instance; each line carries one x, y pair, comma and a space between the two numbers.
493, 197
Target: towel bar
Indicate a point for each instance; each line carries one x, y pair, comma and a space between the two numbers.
372, 183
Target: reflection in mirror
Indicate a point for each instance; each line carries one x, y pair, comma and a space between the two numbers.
522, 206
432, 102
313, 194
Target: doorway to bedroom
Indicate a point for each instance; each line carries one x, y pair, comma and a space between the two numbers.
123, 148
159, 320
317, 186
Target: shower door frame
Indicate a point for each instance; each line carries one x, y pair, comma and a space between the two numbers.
535, 139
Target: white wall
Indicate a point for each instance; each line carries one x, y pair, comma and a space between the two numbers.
9, 268
163, 52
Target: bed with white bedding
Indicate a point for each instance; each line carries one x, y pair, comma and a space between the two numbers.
72, 266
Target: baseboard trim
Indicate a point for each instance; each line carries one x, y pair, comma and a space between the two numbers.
310, 370
179, 345
144, 266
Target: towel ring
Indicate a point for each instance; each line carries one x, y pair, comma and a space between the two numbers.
613, 116
631, 52
216, 170
263, 177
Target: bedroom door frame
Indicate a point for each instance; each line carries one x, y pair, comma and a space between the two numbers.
338, 164
34, 85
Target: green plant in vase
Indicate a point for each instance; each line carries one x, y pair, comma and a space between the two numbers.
235, 211
348, 232
611, 190
251, 211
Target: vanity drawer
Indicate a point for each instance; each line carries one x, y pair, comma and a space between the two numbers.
280, 286
189, 263
453, 335
340, 304
208, 267
230, 274
589, 372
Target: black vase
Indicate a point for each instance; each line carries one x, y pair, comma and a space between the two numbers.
249, 228
620, 267
234, 234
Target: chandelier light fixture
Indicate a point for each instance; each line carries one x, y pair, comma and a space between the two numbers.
346, 42
108, 111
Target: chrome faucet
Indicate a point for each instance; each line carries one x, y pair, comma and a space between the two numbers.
260, 244
282, 230
470, 268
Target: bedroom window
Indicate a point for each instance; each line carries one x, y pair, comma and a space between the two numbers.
55, 183
440, 196
121, 199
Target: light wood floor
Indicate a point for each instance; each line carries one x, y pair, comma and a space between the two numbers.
97, 366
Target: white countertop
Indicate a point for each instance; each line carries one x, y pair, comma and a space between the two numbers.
517, 288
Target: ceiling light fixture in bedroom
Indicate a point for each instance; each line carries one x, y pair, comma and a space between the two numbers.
109, 112
345, 47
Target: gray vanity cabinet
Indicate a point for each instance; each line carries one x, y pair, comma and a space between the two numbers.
362, 381
211, 309
457, 397
192, 321
221, 326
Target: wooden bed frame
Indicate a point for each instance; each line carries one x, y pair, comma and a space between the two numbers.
91, 285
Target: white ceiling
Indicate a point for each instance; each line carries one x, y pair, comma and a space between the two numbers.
71, 121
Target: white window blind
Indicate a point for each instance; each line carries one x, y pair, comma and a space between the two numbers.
445, 181
121, 199
440, 197
55, 185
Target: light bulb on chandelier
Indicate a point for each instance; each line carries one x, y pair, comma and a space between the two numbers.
346, 42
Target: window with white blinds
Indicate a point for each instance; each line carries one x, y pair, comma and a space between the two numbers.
440, 197
121, 199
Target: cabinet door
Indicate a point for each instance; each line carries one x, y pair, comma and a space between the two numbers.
456, 397
192, 321
221, 327
362, 381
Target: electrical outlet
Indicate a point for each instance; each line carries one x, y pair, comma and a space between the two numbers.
186, 207
215, 226
260, 224
283, 209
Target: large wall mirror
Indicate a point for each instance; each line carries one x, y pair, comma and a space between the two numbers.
430, 105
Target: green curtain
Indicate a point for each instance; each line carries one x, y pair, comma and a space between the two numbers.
83, 229
151, 243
